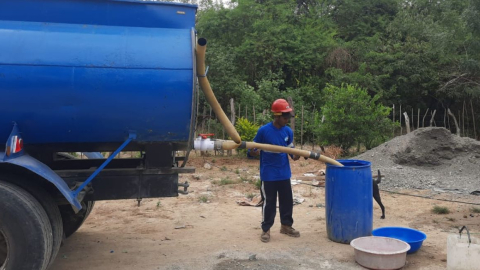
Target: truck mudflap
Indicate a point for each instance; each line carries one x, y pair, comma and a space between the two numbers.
45, 172
15, 154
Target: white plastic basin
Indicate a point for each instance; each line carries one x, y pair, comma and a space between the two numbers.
383, 253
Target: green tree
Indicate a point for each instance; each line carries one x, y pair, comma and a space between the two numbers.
352, 116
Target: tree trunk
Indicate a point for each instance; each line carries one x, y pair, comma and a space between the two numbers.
465, 130
232, 119
232, 111
407, 122
209, 119
239, 107
455, 121
433, 117
301, 132
292, 120
413, 121
423, 121
473, 116
393, 118
418, 119
204, 117
459, 122
401, 128
445, 118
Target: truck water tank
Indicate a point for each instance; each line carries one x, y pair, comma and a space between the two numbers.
86, 72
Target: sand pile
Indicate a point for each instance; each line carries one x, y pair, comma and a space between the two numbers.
428, 158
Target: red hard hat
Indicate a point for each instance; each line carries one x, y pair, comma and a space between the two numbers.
280, 106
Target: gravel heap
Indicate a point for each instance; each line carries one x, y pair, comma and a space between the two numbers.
428, 158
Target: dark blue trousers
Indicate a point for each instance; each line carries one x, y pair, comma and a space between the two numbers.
269, 192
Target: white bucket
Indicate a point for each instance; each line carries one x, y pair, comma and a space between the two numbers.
463, 252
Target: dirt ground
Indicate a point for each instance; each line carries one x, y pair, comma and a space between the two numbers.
186, 233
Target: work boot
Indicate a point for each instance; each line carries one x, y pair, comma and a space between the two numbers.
290, 231
265, 236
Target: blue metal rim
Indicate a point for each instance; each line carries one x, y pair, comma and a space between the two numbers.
351, 164
402, 228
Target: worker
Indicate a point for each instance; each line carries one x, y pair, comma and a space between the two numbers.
275, 171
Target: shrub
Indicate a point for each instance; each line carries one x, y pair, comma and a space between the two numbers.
246, 129
475, 209
352, 116
440, 210
203, 199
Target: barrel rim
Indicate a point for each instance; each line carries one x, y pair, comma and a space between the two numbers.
366, 164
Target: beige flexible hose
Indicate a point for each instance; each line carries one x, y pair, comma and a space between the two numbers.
207, 90
231, 131
276, 148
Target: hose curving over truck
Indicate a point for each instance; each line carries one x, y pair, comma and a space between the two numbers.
206, 144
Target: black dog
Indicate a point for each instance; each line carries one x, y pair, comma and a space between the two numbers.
376, 193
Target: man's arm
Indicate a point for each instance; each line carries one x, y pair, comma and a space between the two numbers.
293, 157
258, 139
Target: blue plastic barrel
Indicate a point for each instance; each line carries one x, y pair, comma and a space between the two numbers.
348, 200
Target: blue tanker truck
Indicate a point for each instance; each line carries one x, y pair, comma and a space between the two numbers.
88, 76
95, 76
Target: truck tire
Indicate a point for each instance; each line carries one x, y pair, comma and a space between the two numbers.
50, 207
71, 221
25, 231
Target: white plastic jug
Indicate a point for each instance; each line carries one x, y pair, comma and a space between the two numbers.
463, 252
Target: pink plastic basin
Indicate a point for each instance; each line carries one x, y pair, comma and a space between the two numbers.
383, 253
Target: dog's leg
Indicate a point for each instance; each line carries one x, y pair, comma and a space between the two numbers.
376, 194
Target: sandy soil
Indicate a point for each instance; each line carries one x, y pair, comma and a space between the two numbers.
185, 233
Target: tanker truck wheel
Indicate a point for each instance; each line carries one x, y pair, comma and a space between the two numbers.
25, 231
71, 221
50, 207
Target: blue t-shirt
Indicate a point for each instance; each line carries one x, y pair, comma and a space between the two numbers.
274, 166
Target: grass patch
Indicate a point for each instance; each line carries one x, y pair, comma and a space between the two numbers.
440, 210
159, 203
451, 219
258, 184
203, 199
214, 160
475, 210
225, 181
223, 168
250, 195
245, 179
237, 171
